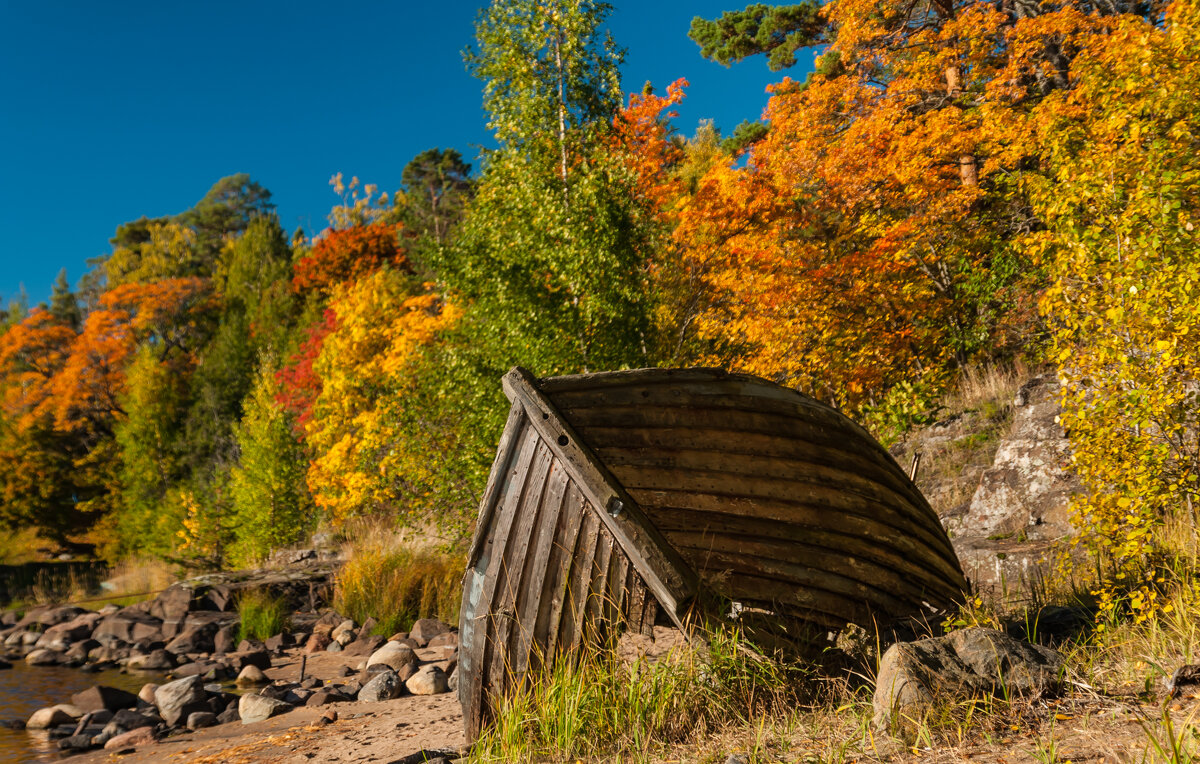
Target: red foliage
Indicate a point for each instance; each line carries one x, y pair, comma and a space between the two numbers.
349, 254
299, 384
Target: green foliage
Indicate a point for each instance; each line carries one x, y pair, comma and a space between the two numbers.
261, 614
437, 185
270, 502
398, 586
598, 706
774, 31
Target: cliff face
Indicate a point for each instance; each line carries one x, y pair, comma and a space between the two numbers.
998, 476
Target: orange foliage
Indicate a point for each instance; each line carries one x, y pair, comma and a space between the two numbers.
346, 255
643, 133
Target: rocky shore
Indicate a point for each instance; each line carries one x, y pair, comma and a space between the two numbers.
201, 676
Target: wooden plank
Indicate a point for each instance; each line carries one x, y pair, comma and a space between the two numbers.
862, 536
566, 552
771, 492
673, 583
570, 635
501, 470
537, 570
599, 594
898, 579
507, 578
477, 615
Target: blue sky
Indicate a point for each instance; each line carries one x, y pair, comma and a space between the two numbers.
111, 111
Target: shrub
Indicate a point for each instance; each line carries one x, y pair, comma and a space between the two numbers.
262, 614
397, 586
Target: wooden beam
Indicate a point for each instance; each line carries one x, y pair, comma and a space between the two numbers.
672, 580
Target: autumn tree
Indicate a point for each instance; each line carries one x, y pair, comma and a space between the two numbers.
347, 254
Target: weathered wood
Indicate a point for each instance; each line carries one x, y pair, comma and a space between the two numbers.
615, 494
673, 583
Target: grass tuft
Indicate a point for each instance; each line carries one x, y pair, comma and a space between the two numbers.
397, 586
261, 614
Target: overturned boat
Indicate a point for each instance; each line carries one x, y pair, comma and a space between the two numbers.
616, 498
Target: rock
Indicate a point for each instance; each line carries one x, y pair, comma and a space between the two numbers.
125, 720
128, 625
324, 697
158, 660
367, 627
914, 676
394, 655
101, 697
194, 638
365, 645
146, 694
297, 696
1021, 505
175, 700
329, 717
250, 645
63, 634
344, 671
426, 629
228, 716
201, 719
241, 659
171, 607
81, 742
446, 639
429, 680
317, 642
385, 686
343, 633
256, 708
334, 647
44, 718
223, 641
132, 739
81, 650
452, 680
251, 675
278, 642
43, 657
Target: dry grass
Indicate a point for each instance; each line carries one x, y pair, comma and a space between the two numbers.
131, 581
983, 386
396, 585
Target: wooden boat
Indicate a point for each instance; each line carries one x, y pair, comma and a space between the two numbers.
616, 497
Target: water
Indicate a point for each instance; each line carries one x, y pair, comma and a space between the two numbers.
24, 689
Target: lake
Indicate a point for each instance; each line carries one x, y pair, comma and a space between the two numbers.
24, 689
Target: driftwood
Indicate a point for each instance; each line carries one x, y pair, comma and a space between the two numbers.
615, 498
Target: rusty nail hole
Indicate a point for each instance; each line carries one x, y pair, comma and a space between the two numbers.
562, 440
545, 415
645, 393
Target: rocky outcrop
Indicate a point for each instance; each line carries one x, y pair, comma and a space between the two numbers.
1022, 504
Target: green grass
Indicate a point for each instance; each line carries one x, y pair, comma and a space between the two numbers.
261, 614
397, 586
599, 706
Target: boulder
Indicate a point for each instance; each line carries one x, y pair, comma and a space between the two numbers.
429, 680
44, 718
915, 676
132, 739
146, 694
194, 638
323, 697
394, 655
343, 633
171, 607
259, 658
228, 716
43, 657
125, 720
317, 642
80, 742
256, 708
101, 697
426, 629
365, 645
63, 634
158, 660
385, 686
128, 625
445, 639
251, 675
201, 719
224, 639
279, 642
175, 700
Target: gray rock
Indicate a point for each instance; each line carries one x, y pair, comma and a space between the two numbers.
128, 625
447, 639
194, 638
44, 718
229, 715
385, 686
80, 742
429, 680
916, 676
365, 645
175, 700
223, 641
43, 657
157, 660
323, 697
256, 708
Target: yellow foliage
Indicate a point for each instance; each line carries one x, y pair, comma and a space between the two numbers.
363, 459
